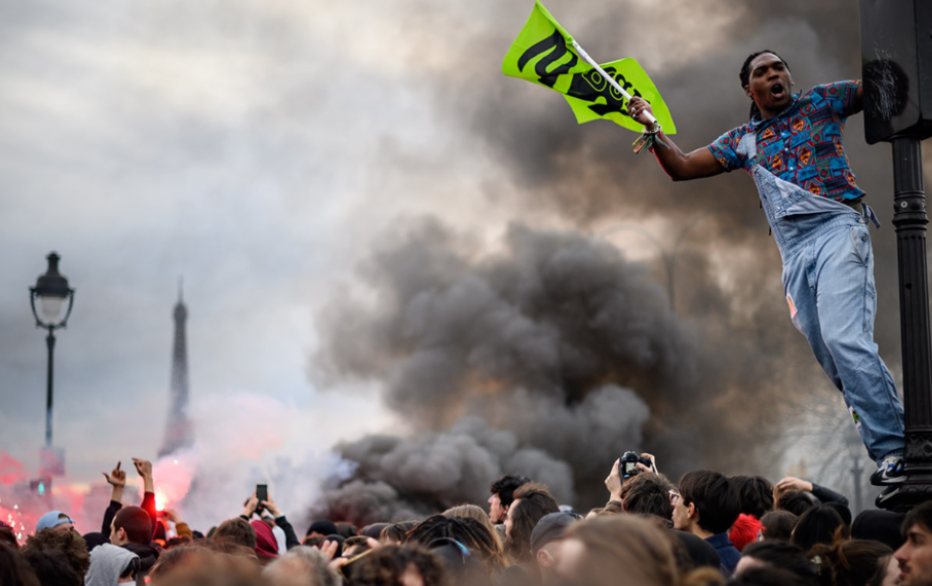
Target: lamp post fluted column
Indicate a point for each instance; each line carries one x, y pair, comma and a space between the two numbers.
50, 376
910, 219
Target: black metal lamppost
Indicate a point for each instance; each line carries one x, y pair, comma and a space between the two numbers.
896, 57
52, 291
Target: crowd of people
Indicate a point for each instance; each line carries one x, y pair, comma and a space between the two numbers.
705, 530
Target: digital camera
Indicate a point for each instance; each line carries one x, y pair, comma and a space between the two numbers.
628, 465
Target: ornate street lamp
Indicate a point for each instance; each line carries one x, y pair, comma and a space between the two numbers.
52, 291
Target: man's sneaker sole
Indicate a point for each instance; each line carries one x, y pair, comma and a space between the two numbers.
886, 496
888, 481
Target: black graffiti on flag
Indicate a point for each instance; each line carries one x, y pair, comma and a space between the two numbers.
588, 86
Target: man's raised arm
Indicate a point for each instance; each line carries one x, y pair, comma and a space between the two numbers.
116, 479
144, 468
679, 166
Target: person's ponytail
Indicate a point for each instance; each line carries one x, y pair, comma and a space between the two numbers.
824, 558
702, 577
848, 562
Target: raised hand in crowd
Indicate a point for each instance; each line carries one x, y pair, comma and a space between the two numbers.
144, 469
173, 516
116, 479
181, 528
249, 507
790, 483
823, 493
291, 538
614, 482
329, 548
272, 507
653, 464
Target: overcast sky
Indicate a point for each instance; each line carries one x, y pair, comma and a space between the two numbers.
255, 148
252, 148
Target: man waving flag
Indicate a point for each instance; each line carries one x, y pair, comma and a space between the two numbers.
546, 54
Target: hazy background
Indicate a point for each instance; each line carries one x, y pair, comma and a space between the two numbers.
263, 149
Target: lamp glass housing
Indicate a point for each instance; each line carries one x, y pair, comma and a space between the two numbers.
51, 306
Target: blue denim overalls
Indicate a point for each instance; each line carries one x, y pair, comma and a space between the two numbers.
828, 279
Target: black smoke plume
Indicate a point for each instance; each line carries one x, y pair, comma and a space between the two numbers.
549, 357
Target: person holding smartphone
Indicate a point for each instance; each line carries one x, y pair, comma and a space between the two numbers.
252, 505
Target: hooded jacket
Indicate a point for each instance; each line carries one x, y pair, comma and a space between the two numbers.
108, 562
148, 555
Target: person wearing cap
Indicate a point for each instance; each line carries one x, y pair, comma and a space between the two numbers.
323, 528
266, 544
544, 544
545, 541
271, 511
56, 520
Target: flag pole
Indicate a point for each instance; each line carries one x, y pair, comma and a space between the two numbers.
655, 131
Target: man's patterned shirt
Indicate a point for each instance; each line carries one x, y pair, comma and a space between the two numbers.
803, 143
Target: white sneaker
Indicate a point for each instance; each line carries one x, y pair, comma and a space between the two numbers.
891, 471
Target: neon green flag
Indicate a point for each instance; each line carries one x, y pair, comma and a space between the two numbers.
543, 53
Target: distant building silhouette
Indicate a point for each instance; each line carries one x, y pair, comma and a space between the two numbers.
179, 432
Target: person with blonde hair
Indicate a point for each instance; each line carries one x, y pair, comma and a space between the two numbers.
307, 566
623, 549
477, 513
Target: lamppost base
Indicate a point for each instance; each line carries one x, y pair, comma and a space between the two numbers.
900, 498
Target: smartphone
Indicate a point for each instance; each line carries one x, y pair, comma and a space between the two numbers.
262, 494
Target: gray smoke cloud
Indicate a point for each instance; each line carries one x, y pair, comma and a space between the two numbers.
547, 357
398, 479
519, 361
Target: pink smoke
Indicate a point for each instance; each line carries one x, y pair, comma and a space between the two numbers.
11, 470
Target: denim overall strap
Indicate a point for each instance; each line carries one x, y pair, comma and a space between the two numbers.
793, 213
